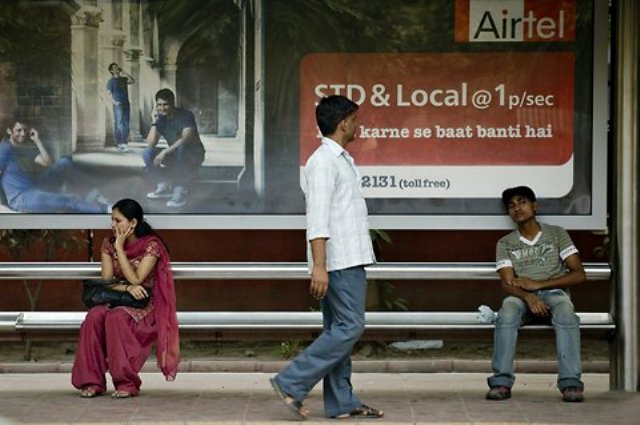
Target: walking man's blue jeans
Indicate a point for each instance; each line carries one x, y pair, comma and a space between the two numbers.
514, 312
329, 356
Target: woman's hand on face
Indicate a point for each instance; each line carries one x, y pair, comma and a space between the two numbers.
121, 236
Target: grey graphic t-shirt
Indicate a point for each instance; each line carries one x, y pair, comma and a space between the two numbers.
539, 259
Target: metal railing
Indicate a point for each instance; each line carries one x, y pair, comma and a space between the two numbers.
278, 271
221, 320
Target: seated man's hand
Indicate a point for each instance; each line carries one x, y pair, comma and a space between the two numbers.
33, 134
526, 284
157, 161
536, 305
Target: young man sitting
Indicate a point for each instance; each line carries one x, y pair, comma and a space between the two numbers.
537, 264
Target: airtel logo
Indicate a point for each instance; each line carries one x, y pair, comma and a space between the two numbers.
519, 28
515, 20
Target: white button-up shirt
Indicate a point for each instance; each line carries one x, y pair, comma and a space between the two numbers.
336, 208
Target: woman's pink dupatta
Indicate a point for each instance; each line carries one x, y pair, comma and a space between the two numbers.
164, 308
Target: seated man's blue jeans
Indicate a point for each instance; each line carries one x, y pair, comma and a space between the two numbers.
329, 356
180, 167
63, 172
57, 173
513, 314
46, 196
38, 201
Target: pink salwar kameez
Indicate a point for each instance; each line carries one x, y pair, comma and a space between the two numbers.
119, 340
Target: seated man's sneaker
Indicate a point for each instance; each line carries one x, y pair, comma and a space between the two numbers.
102, 200
179, 197
499, 393
97, 197
573, 394
163, 190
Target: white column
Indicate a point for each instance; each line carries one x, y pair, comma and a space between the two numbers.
84, 71
169, 71
259, 161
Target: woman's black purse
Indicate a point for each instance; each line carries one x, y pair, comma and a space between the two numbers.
97, 292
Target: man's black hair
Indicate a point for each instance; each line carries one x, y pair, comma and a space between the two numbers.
331, 110
524, 191
12, 122
111, 65
166, 94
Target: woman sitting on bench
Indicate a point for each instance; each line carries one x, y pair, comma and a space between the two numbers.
119, 339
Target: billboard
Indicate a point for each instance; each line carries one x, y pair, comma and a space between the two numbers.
428, 135
458, 100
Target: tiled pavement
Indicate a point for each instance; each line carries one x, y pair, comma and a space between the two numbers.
247, 398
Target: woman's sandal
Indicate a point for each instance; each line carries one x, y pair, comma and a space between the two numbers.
363, 411
121, 394
292, 404
89, 392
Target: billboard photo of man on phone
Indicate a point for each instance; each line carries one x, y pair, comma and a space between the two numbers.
32, 181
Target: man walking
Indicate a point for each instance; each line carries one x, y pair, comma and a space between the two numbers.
537, 263
119, 94
339, 246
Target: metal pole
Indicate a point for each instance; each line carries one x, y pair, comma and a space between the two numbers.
626, 35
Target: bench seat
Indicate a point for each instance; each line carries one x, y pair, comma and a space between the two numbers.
282, 320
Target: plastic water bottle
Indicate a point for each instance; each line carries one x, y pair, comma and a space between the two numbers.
485, 314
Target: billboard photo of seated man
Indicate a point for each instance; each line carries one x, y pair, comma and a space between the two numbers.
175, 166
33, 182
